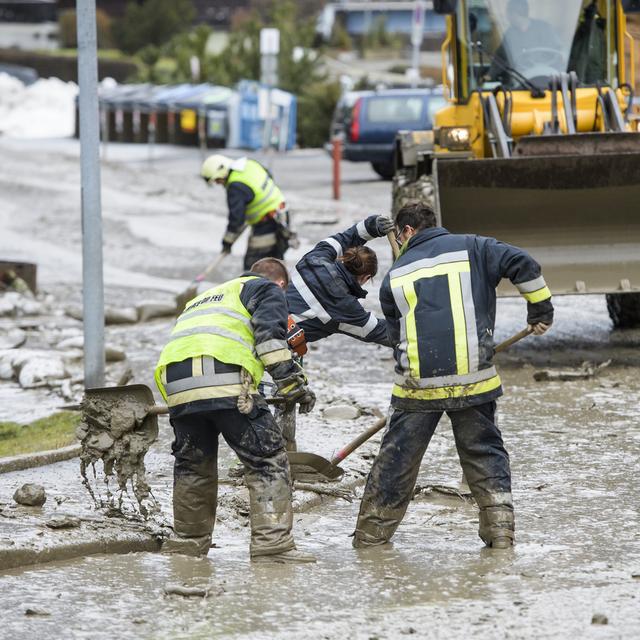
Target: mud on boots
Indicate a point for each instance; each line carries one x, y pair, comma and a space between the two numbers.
253, 200
208, 373
440, 321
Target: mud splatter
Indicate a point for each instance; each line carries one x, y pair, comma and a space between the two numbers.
116, 434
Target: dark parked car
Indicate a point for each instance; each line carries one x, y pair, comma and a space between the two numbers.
370, 126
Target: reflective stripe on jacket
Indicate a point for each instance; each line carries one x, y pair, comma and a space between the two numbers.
324, 298
234, 326
267, 196
440, 301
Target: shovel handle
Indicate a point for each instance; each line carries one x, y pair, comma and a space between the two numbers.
513, 339
212, 267
354, 444
159, 409
394, 244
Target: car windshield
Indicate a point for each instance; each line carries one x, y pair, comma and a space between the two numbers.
394, 109
507, 41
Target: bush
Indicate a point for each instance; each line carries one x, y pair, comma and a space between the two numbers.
153, 22
315, 111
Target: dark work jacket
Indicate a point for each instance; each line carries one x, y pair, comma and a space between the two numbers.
439, 299
324, 298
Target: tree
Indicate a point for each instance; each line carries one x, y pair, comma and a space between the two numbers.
153, 22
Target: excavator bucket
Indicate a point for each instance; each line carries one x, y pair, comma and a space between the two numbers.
572, 201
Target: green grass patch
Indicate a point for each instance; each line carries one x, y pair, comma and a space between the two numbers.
53, 432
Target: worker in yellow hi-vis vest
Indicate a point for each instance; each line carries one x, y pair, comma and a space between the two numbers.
255, 200
208, 373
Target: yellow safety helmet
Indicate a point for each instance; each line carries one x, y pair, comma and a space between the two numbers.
216, 167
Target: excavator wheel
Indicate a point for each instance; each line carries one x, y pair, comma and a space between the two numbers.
624, 310
405, 190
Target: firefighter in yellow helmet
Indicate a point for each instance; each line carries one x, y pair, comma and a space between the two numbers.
253, 199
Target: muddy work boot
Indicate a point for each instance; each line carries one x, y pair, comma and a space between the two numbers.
193, 547
286, 557
497, 523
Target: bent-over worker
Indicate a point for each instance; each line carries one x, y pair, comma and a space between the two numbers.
209, 373
325, 292
253, 199
439, 300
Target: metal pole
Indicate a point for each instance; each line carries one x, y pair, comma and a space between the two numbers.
92, 283
337, 156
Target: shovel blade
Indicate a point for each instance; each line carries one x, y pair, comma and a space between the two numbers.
100, 402
301, 462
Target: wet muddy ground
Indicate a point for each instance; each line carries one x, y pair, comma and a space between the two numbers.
574, 449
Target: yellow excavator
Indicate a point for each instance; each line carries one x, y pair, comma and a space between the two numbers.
539, 145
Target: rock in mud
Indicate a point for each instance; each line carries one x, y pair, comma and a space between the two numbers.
42, 370
121, 315
148, 310
13, 338
186, 592
341, 412
100, 442
30, 495
35, 611
63, 521
599, 618
112, 354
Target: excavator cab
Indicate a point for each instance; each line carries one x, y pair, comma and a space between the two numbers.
538, 145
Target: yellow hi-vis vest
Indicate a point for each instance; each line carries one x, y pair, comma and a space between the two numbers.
214, 324
266, 195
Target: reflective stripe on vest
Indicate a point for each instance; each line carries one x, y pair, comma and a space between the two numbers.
214, 324
267, 196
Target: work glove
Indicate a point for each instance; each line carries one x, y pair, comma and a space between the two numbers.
539, 316
291, 384
382, 226
226, 247
307, 401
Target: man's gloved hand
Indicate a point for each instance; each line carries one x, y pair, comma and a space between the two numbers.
382, 226
289, 379
307, 401
226, 247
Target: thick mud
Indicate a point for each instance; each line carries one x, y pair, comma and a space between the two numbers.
116, 434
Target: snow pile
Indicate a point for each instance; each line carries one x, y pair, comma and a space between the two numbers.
45, 109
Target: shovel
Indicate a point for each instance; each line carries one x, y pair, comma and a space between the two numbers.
192, 290
302, 462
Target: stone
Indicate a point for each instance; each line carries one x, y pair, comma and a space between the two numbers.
599, 618
121, 315
63, 521
149, 309
186, 592
35, 611
42, 370
341, 412
76, 345
13, 338
30, 495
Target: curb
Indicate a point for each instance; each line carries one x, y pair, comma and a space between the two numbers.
14, 558
40, 459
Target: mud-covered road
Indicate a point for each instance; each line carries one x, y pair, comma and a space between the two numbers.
574, 447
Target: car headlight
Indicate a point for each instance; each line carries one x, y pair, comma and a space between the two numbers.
455, 138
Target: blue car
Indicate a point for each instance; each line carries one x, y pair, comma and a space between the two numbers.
376, 116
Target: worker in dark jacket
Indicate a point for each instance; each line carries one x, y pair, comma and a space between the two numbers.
326, 285
253, 199
440, 303
209, 373
325, 292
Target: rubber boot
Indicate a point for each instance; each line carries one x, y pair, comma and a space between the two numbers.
271, 511
184, 546
287, 557
194, 509
497, 523
375, 525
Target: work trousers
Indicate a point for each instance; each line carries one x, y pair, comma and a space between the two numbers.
394, 472
264, 242
258, 442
